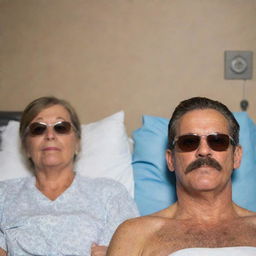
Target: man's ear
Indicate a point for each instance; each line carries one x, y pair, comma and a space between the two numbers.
169, 160
238, 156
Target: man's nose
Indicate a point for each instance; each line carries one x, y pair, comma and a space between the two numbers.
203, 148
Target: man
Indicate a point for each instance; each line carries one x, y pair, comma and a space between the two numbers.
203, 138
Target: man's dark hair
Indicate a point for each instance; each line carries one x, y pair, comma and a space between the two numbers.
202, 103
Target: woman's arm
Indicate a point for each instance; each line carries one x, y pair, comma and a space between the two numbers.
98, 250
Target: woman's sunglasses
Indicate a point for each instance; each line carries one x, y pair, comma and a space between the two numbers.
39, 128
216, 141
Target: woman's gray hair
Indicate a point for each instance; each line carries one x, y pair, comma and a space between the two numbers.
36, 106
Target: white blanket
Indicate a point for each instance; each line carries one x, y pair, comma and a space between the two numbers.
234, 251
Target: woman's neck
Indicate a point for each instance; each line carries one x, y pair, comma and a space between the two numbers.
53, 184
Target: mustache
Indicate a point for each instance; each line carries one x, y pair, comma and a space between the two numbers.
203, 161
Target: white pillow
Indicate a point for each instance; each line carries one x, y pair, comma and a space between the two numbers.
104, 152
11, 159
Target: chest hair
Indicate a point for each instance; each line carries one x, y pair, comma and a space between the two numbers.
186, 235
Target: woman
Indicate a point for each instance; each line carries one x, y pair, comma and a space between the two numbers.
57, 212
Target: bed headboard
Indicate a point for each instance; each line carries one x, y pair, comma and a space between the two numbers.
5, 116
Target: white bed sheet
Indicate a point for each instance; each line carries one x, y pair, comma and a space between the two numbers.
225, 251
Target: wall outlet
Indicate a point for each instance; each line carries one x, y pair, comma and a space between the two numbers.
238, 64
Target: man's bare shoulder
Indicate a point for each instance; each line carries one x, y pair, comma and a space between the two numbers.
242, 212
250, 218
167, 213
246, 218
145, 225
142, 223
137, 231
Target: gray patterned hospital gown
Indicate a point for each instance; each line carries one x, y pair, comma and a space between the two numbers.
88, 211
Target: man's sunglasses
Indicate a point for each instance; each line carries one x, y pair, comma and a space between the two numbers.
216, 141
39, 128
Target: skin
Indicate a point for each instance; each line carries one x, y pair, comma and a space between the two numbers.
98, 250
2, 252
204, 215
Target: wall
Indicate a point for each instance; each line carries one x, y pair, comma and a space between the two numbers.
142, 56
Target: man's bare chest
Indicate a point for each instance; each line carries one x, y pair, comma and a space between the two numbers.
166, 240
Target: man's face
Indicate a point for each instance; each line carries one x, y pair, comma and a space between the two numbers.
208, 176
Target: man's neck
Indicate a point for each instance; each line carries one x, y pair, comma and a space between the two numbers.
206, 206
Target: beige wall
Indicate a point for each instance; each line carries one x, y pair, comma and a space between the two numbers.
142, 56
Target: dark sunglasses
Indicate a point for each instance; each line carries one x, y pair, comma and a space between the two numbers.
216, 141
39, 128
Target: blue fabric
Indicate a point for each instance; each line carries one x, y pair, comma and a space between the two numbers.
155, 184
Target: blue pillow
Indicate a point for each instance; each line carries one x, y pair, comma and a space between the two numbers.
155, 184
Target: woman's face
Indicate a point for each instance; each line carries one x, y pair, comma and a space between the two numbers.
52, 149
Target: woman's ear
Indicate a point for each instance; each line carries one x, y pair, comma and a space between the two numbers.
78, 147
237, 156
169, 160
25, 149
